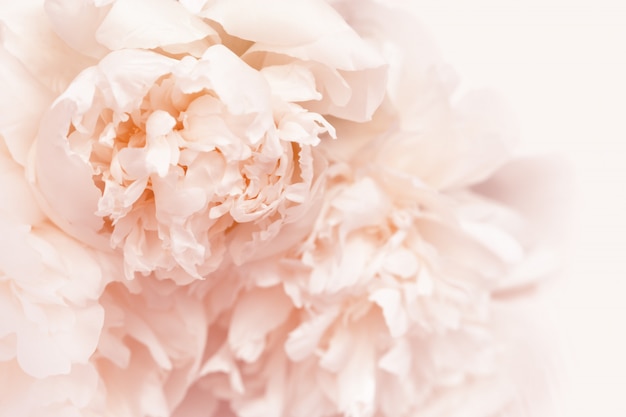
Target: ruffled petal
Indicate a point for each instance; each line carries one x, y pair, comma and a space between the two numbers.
310, 31
149, 24
97, 27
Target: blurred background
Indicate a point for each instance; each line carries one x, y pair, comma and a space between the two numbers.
561, 64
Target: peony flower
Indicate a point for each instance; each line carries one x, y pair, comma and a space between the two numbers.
168, 155
285, 211
147, 127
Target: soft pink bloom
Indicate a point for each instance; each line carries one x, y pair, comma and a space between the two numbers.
244, 208
177, 162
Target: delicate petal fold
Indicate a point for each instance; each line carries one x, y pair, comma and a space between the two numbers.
149, 24
310, 31
94, 28
23, 100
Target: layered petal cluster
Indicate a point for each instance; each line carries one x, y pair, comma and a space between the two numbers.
177, 161
51, 317
388, 308
253, 209
184, 162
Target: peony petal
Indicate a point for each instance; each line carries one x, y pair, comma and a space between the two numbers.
488, 124
75, 22
397, 360
78, 387
18, 202
10, 309
401, 262
129, 74
357, 382
149, 24
38, 354
18, 259
159, 154
27, 34
311, 31
291, 82
303, 340
257, 313
367, 90
390, 300
496, 240
194, 6
223, 361
73, 208
405, 46
23, 100
307, 29
239, 86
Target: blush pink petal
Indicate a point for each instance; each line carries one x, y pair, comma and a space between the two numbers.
85, 16
97, 27
23, 100
149, 24
19, 203
249, 327
27, 34
56, 319
243, 208
72, 208
310, 31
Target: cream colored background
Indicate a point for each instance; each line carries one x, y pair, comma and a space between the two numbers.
562, 66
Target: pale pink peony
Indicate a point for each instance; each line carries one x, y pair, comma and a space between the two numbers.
254, 209
177, 162
144, 136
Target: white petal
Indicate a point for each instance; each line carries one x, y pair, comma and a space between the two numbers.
76, 21
495, 239
72, 207
194, 6
30, 38
18, 202
397, 360
390, 300
311, 31
291, 82
307, 29
257, 312
159, 155
22, 103
240, 87
129, 74
401, 262
223, 361
303, 340
150, 24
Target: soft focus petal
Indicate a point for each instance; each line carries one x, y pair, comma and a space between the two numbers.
149, 24
97, 27
28, 34
18, 202
310, 31
85, 16
249, 329
23, 100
